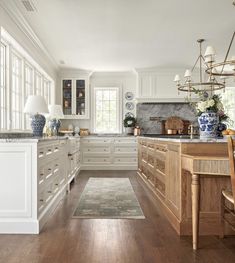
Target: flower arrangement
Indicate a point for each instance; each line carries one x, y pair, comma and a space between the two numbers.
211, 103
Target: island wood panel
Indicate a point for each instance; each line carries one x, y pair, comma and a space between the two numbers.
173, 179
173, 186
210, 193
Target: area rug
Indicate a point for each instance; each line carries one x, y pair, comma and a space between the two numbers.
108, 198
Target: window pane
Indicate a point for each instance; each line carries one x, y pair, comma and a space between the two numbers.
16, 93
3, 93
106, 110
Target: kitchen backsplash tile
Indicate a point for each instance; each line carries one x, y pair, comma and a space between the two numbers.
162, 110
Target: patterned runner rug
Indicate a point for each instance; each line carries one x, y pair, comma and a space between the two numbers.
108, 198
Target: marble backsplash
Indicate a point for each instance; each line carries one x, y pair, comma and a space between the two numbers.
145, 111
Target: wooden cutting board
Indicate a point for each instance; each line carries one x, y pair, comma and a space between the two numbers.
174, 123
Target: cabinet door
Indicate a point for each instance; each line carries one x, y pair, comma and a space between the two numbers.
80, 97
173, 180
67, 96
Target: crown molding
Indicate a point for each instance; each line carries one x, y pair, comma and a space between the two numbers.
15, 14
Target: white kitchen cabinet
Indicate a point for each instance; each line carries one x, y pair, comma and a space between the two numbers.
158, 86
75, 98
35, 175
109, 153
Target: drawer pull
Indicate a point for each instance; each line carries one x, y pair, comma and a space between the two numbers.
57, 165
49, 150
41, 200
41, 153
56, 148
70, 154
49, 192
71, 159
41, 174
56, 184
49, 169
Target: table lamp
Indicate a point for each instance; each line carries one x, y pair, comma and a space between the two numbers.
55, 113
35, 105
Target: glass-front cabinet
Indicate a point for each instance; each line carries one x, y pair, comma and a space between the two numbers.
75, 98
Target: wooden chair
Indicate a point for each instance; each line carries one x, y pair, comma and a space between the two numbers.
228, 196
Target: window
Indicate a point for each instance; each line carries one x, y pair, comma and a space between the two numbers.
106, 110
228, 101
3, 93
38, 84
16, 93
28, 91
20, 76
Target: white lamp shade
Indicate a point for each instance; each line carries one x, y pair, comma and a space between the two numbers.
210, 51
55, 111
177, 78
35, 104
187, 73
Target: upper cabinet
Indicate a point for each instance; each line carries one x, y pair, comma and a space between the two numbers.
158, 86
75, 96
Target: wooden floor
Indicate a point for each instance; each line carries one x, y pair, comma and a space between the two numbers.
151, 240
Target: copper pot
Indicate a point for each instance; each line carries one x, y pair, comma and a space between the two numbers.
171, 131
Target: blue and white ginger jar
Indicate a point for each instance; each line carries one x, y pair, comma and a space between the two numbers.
208, 124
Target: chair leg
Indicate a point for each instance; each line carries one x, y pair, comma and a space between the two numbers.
222, 225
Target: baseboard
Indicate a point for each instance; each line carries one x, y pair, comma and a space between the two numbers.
10, 226
110, 167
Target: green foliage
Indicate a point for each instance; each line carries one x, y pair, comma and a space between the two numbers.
129, 121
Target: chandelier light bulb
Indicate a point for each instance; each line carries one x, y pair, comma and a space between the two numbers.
177, 78
188, 73
210, 51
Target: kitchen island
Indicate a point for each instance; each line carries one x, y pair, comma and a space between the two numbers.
166, 166
35, 175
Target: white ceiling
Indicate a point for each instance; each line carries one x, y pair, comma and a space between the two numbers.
118, 35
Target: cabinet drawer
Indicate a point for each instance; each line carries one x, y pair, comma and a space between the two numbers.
48, 194
125, 149
96, 149
97, 160
41, 201
125, 140
125, 160
96, 140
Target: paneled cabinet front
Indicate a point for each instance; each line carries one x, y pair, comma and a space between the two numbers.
75, 98
109, 153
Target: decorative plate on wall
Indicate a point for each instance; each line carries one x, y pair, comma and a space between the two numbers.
129, 114
129, 95
130, 106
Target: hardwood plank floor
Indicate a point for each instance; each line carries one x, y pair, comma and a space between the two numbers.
151, 240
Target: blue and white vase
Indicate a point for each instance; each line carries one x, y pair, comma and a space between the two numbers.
208, 124
37, 123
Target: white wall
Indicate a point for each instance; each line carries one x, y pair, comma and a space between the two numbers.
19, 33
127, 81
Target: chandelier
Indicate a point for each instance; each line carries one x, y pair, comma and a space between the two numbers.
191, 86
223, 69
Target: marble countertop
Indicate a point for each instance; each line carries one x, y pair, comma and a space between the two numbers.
183, 140
33, 139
